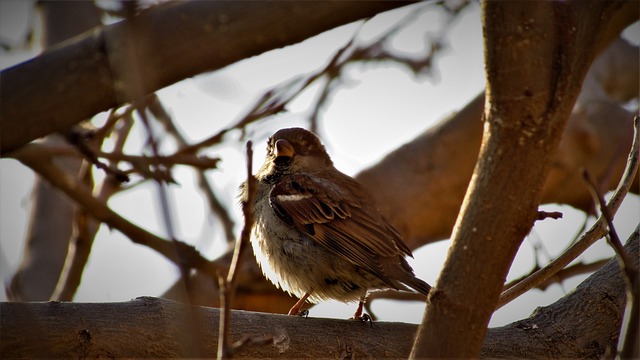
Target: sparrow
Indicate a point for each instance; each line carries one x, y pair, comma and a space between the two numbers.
318, 233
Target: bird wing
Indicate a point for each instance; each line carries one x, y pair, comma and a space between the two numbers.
340, 215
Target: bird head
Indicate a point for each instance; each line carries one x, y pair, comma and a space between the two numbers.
294, 150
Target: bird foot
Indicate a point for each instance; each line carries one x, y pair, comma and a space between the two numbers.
295, 310
304, 313
364, 317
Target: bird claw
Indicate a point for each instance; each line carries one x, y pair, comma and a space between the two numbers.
303, 313
364, 318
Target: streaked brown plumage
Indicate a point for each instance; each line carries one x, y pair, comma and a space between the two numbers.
318, 233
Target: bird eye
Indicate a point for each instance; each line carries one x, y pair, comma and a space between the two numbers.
282, 160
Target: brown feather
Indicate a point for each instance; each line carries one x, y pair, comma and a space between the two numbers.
338, 221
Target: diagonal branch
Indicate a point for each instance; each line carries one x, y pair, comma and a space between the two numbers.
629, 338
174, 40
597, 231
36, 157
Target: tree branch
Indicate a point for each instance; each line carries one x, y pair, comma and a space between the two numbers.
228, 285
85, 225
597, 231
527, 108
91, 330
48, 234
174, 41
433, 170
36, 157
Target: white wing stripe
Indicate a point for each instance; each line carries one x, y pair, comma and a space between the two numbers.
294, 197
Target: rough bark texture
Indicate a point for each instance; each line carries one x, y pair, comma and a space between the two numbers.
558, 331
529, 100
173, 41
155, 328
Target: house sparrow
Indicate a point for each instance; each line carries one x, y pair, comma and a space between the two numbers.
318, 233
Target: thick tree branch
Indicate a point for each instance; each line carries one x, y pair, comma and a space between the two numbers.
92, 330
556, 331
174, 41
527, 107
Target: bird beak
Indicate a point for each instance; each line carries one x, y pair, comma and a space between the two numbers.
284, 149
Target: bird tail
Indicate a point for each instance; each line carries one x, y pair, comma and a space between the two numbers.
408, 278
418, 285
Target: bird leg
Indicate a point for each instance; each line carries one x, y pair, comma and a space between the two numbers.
295, 309
358, 314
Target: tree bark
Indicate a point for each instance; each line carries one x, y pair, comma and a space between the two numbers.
536, 56
173, 41
150, 327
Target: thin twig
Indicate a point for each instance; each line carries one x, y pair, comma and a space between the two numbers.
276, 99
216, 207
549, 215
112, 119
614, 240
597, 231
37, 157
627, 265
565, 273
78, 137
580, 230
200, 162
167, 218
228, 285
86, 227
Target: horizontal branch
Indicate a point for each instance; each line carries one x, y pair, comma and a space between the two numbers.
172, 42
69, 330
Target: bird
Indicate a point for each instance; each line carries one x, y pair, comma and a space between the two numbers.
318, 233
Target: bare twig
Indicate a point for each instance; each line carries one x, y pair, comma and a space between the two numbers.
141, 109
628, 268
78, 137
549, 215
565, 273
37, 157
597, 231
200, 162
580, 230
86, 227
228, 285
278, 97
112, 119
163, 117
627, 264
